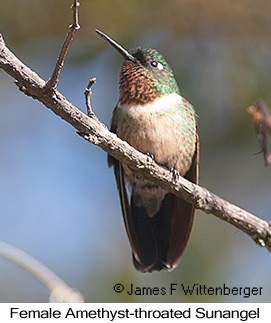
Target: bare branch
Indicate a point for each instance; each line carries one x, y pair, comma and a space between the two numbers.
260, 115
53, 80
59, 291
97, 133
88, 94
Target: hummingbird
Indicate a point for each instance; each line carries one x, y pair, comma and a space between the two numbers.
153, 117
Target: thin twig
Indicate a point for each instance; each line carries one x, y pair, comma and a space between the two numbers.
88, 94
97, 133
260, 115
53, 80
59, 290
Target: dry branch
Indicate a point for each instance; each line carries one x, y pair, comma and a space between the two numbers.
97, 133
53, 80
88, 93
260, 115
60, 292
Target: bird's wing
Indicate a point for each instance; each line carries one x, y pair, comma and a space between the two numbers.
182, 216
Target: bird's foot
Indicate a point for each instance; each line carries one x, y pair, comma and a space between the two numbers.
175, 174
150, 158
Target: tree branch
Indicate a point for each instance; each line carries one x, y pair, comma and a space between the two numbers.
88, 93
53, 80
60, 292
260, 115
97, 133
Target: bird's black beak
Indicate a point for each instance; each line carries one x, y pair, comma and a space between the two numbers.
119, 48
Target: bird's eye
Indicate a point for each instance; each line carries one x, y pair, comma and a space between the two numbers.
154, 63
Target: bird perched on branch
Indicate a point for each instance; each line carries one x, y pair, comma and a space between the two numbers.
153, 117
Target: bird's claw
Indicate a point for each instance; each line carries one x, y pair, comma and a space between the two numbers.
175, 174
150, 158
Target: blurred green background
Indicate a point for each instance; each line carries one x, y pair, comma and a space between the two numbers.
58, 199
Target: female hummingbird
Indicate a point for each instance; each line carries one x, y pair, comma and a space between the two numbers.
153, 117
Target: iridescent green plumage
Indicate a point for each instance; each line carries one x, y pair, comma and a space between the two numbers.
162, 78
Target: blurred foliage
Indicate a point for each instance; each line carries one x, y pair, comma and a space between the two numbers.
70, 218
38, 18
